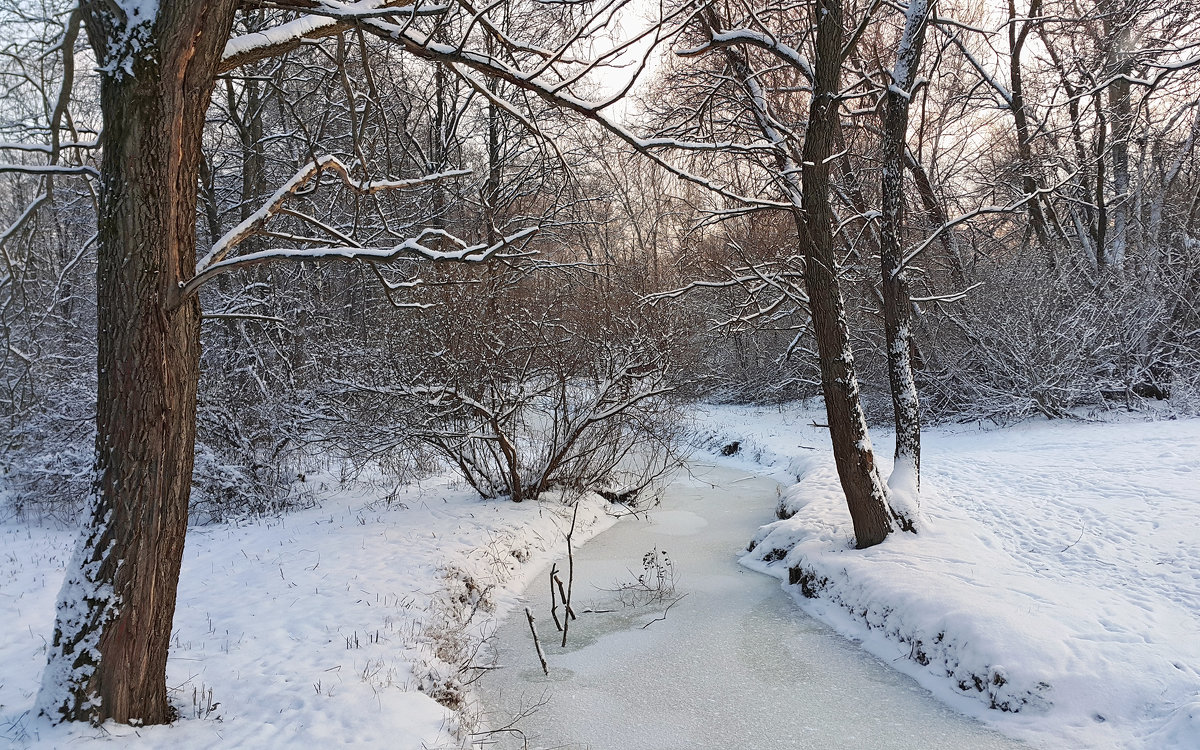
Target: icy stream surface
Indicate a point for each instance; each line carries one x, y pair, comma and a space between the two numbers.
735, 663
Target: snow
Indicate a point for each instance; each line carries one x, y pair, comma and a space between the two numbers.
132, 35
906, 52
294, 29
325, 627
903, 493
733, 663
83, 603
1053, 593
1054, 589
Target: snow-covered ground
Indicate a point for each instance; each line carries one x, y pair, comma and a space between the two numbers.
1054, 592
326, 627
1054, 589
688, 650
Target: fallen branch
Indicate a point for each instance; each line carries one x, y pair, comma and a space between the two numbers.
537, 644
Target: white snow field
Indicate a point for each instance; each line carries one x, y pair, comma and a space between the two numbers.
1053, 589
323, 628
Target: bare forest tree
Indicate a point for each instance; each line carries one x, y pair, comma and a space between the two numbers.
759, 118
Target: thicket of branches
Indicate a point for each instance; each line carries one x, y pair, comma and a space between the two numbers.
549, 332
1053, 202
1053, 198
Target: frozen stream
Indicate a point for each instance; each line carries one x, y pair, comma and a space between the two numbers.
735, 664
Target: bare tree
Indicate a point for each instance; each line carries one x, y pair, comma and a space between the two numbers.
158, 68
897, 302
108, 658
799, 162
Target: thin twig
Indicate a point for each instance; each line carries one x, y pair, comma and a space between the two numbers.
570, 573
665, 611
1072, 544
562, 593
553, 600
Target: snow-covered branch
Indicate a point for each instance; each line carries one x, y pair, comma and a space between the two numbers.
311, 171
958, 296
49, 169
981, 211
320, 19
45, 148
415, 247
736, 37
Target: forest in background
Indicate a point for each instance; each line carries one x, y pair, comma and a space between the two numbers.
1050, 178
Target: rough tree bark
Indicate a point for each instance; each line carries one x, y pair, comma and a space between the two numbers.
897, 304
108, 658
865, 492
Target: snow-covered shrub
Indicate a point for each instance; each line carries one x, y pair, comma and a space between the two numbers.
47, 346
223, 485
520, 434
1034, 343
536, 386
45, 469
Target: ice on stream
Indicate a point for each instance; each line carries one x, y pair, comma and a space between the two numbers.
733, 664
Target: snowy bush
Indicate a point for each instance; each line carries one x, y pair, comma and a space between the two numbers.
543, 430
1048, 345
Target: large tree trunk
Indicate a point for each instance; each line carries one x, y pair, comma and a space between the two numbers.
865, 493
897, 305
108, 659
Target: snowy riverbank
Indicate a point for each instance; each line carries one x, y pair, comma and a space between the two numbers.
325, 627
1054, 591
1057, 574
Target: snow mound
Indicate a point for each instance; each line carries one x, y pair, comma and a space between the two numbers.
1054, 589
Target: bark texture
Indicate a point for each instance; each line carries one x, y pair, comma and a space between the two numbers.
108, 658
897, 304
865, 493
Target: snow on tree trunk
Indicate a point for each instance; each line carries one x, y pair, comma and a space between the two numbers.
865, 493
1120, 102
897, 305
115, 610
